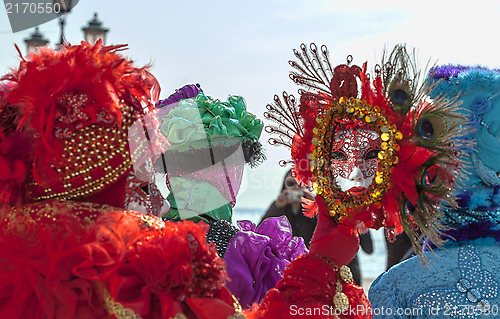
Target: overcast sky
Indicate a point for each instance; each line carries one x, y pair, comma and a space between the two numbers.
243, 47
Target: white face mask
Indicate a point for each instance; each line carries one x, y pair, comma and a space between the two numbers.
354, 159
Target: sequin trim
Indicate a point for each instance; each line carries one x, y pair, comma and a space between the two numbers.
83, 212
115, 308
465, 216
470, 297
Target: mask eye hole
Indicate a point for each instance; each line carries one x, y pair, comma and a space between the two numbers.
371, 154
338, 156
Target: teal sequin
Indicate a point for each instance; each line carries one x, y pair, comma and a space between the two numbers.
462, 217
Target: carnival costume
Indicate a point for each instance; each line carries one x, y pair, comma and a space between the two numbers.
462, 277
68, 249
210, 143
376, 152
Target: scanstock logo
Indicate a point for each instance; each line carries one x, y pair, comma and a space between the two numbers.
25, 14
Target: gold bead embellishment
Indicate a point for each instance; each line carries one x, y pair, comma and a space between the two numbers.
83, 213
346, 275
236, 304
93, 157
340, 299
339, 203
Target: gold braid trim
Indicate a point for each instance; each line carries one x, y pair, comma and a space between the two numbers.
112, 306
120, 312
236, 305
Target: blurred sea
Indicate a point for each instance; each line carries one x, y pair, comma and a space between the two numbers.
371, 265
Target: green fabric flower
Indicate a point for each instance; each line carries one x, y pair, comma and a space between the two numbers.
203, 118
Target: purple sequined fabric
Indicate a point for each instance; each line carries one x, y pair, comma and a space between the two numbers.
186, 92
447, 71
257, 256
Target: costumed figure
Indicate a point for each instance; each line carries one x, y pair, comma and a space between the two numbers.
377, 154
462, 277
210, 143
68, 248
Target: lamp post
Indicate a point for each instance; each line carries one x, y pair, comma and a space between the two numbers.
95, 31
65, 7
35, 40
92, 32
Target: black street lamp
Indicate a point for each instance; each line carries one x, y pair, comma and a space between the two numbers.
35, 40
65, 7
94, 31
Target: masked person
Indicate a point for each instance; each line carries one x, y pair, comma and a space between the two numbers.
461, 277
365, 144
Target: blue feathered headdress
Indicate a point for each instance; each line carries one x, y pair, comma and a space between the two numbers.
478, 88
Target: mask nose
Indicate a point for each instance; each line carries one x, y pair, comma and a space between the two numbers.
356, 175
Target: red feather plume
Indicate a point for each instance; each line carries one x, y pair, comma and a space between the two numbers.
35, 89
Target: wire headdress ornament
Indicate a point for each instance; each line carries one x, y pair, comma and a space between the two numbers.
416, 160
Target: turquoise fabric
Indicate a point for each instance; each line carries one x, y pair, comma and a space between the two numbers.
461, 278
478, 90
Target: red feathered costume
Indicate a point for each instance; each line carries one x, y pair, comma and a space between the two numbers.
68, 249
